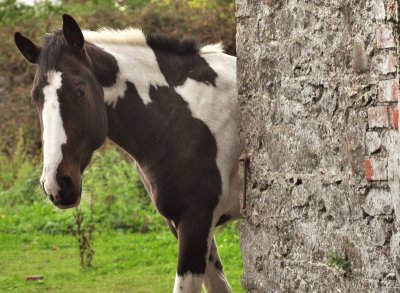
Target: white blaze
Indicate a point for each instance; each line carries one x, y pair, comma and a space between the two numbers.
53, 133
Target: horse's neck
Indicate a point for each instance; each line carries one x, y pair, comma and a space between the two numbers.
136, 64
130, 124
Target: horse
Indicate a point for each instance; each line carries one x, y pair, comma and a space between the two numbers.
169, 103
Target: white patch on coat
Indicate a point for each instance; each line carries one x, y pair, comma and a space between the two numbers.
188, 283
214, 280
217, 107
138, 65
54, 135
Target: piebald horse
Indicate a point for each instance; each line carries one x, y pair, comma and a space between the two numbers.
169, 103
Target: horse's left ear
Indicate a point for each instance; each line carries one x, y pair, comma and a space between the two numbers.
72, 32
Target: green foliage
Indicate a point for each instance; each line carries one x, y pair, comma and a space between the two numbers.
13, 12
111, 189
11, 169
120, 201
39, 216
209, 21
17, 173
336, 261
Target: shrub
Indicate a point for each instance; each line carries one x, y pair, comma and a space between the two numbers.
17, 174
120, 201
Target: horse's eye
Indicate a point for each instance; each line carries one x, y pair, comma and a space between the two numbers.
80, 92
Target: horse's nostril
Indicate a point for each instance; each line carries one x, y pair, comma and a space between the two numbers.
66, 184
68, 194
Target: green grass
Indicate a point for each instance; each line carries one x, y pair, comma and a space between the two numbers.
122, 263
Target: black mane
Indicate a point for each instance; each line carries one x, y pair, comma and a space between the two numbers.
172, 44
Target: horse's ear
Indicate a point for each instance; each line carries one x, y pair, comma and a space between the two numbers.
72, 32
27, 48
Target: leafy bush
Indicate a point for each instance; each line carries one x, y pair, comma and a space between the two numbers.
120, 201
17, 174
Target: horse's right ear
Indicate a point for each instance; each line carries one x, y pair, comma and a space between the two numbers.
72, 32
27, 48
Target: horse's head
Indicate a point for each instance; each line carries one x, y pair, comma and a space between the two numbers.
72, 113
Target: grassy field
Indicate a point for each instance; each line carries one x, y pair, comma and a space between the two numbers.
123, 262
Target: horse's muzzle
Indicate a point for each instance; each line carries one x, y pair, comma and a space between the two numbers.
64, 206
65, 192
69, 194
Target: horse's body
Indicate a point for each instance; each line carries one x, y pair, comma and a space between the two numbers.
170, 105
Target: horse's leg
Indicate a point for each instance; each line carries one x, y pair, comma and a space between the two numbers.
194, 237
214, 279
